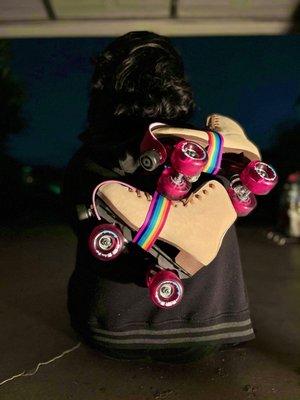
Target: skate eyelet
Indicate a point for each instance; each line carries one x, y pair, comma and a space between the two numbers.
148, 196
212, 186
204, 191
198, 196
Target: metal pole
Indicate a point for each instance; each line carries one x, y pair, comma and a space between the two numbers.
49, 9
173, 9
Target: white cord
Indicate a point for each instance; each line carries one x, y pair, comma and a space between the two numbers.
33, 372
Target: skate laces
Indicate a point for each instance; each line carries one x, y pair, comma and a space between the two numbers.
196, 195
148, 196
185, 201
215, 122
140, 193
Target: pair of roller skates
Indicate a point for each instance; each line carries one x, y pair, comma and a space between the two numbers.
186, 153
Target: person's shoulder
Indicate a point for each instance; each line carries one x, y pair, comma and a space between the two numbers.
88, 154
77, 159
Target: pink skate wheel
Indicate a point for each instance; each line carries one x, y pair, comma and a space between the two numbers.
242, 200
188, 158
259, 177
106, 242
173, 186
165, 288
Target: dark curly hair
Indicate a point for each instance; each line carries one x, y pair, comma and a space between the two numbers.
138, 78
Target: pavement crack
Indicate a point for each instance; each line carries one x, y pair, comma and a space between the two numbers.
35, 370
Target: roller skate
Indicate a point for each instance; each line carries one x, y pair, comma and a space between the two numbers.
121, 211
158, 142
126, 207
110, 238
188, 158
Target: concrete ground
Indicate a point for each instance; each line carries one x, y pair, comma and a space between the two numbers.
35, 266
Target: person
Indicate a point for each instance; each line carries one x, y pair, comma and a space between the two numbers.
138, 79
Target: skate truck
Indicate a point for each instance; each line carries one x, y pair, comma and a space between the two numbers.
176, 213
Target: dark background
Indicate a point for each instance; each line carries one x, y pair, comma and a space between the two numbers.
255, 80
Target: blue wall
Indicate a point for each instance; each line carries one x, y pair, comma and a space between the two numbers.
253, 79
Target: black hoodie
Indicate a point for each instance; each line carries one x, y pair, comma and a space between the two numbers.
108, 302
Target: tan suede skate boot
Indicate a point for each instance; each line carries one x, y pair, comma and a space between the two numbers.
235, 139
195, 226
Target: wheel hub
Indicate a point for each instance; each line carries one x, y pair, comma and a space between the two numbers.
265, 171
147, 162
240, 190
190, 152
166, 290
105, 242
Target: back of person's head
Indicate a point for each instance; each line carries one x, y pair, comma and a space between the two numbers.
138, 78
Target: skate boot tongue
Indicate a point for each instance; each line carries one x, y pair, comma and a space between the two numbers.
235, 138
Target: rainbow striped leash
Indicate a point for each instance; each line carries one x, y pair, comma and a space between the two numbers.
155, 220
214, 152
